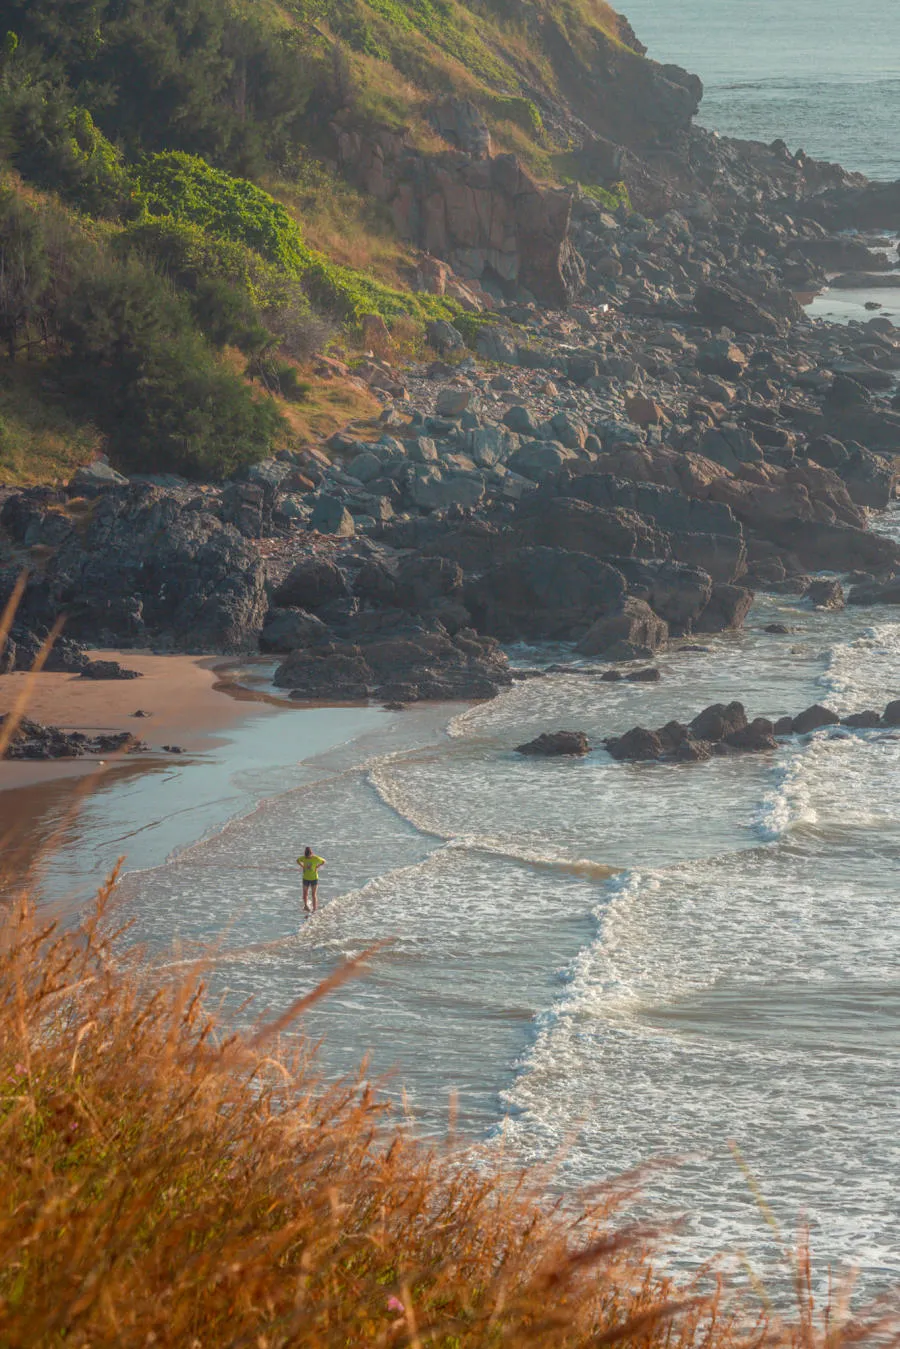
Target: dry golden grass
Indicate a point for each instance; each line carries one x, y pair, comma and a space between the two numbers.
39, 442
327, 407
166, 1182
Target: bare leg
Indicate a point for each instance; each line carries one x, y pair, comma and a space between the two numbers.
306, 889
315, 895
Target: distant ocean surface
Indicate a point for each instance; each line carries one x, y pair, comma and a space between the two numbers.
823, 75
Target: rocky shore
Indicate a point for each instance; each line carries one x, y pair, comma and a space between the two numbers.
616, 474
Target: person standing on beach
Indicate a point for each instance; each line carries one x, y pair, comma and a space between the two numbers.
310, 864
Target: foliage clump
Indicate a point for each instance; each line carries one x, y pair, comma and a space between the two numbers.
186, 188
614, 197
122, 343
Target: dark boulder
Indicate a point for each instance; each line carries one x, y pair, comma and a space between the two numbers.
721, 357
758, 736
152, 565
690, 750
32, 740
722, 306
287, 630
814, 718
719, 721
636, 745
565, 522
544, 593
876, 592
428, 665
520, 420
422, 581
376, 584
107, 669
846, 393
311, 583
825, 594
727, 608
784, 726
666, 507
24, 646
633, 630
862, 721
891, 714
676, 592
649, 675
330, 516
822, 546
557, 744
326, 675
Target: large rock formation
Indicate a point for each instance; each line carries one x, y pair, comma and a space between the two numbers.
483, 214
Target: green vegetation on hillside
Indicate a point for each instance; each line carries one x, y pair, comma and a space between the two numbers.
161, 164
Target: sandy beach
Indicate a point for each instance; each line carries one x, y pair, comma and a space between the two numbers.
188, 700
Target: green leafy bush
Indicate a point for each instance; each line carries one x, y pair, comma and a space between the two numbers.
186, 188
55, 144
612, 197
523, 111
208, 76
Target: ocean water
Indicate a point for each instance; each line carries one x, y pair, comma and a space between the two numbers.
605, 963
823, 75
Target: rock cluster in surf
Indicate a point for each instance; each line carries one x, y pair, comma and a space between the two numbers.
725, 729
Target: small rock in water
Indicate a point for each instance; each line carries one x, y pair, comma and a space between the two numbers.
825, 594
862, 721
557, 744
778, 629
814, 718
648, 676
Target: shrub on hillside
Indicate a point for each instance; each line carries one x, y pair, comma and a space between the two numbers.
134, 357
182, 188
186, 188
55, 144
24, 271
207, 76
237, 297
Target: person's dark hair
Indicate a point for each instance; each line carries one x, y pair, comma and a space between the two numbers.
307, 852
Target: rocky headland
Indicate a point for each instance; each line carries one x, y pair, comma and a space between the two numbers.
636, 429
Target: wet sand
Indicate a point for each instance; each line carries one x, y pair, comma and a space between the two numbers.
189, 699
74, 819
192, 702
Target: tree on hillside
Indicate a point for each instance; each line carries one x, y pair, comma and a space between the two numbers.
197, 76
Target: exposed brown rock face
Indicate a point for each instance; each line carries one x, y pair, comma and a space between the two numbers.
483, 214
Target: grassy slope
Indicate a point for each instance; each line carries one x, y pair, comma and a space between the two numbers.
40, 441
400, 55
